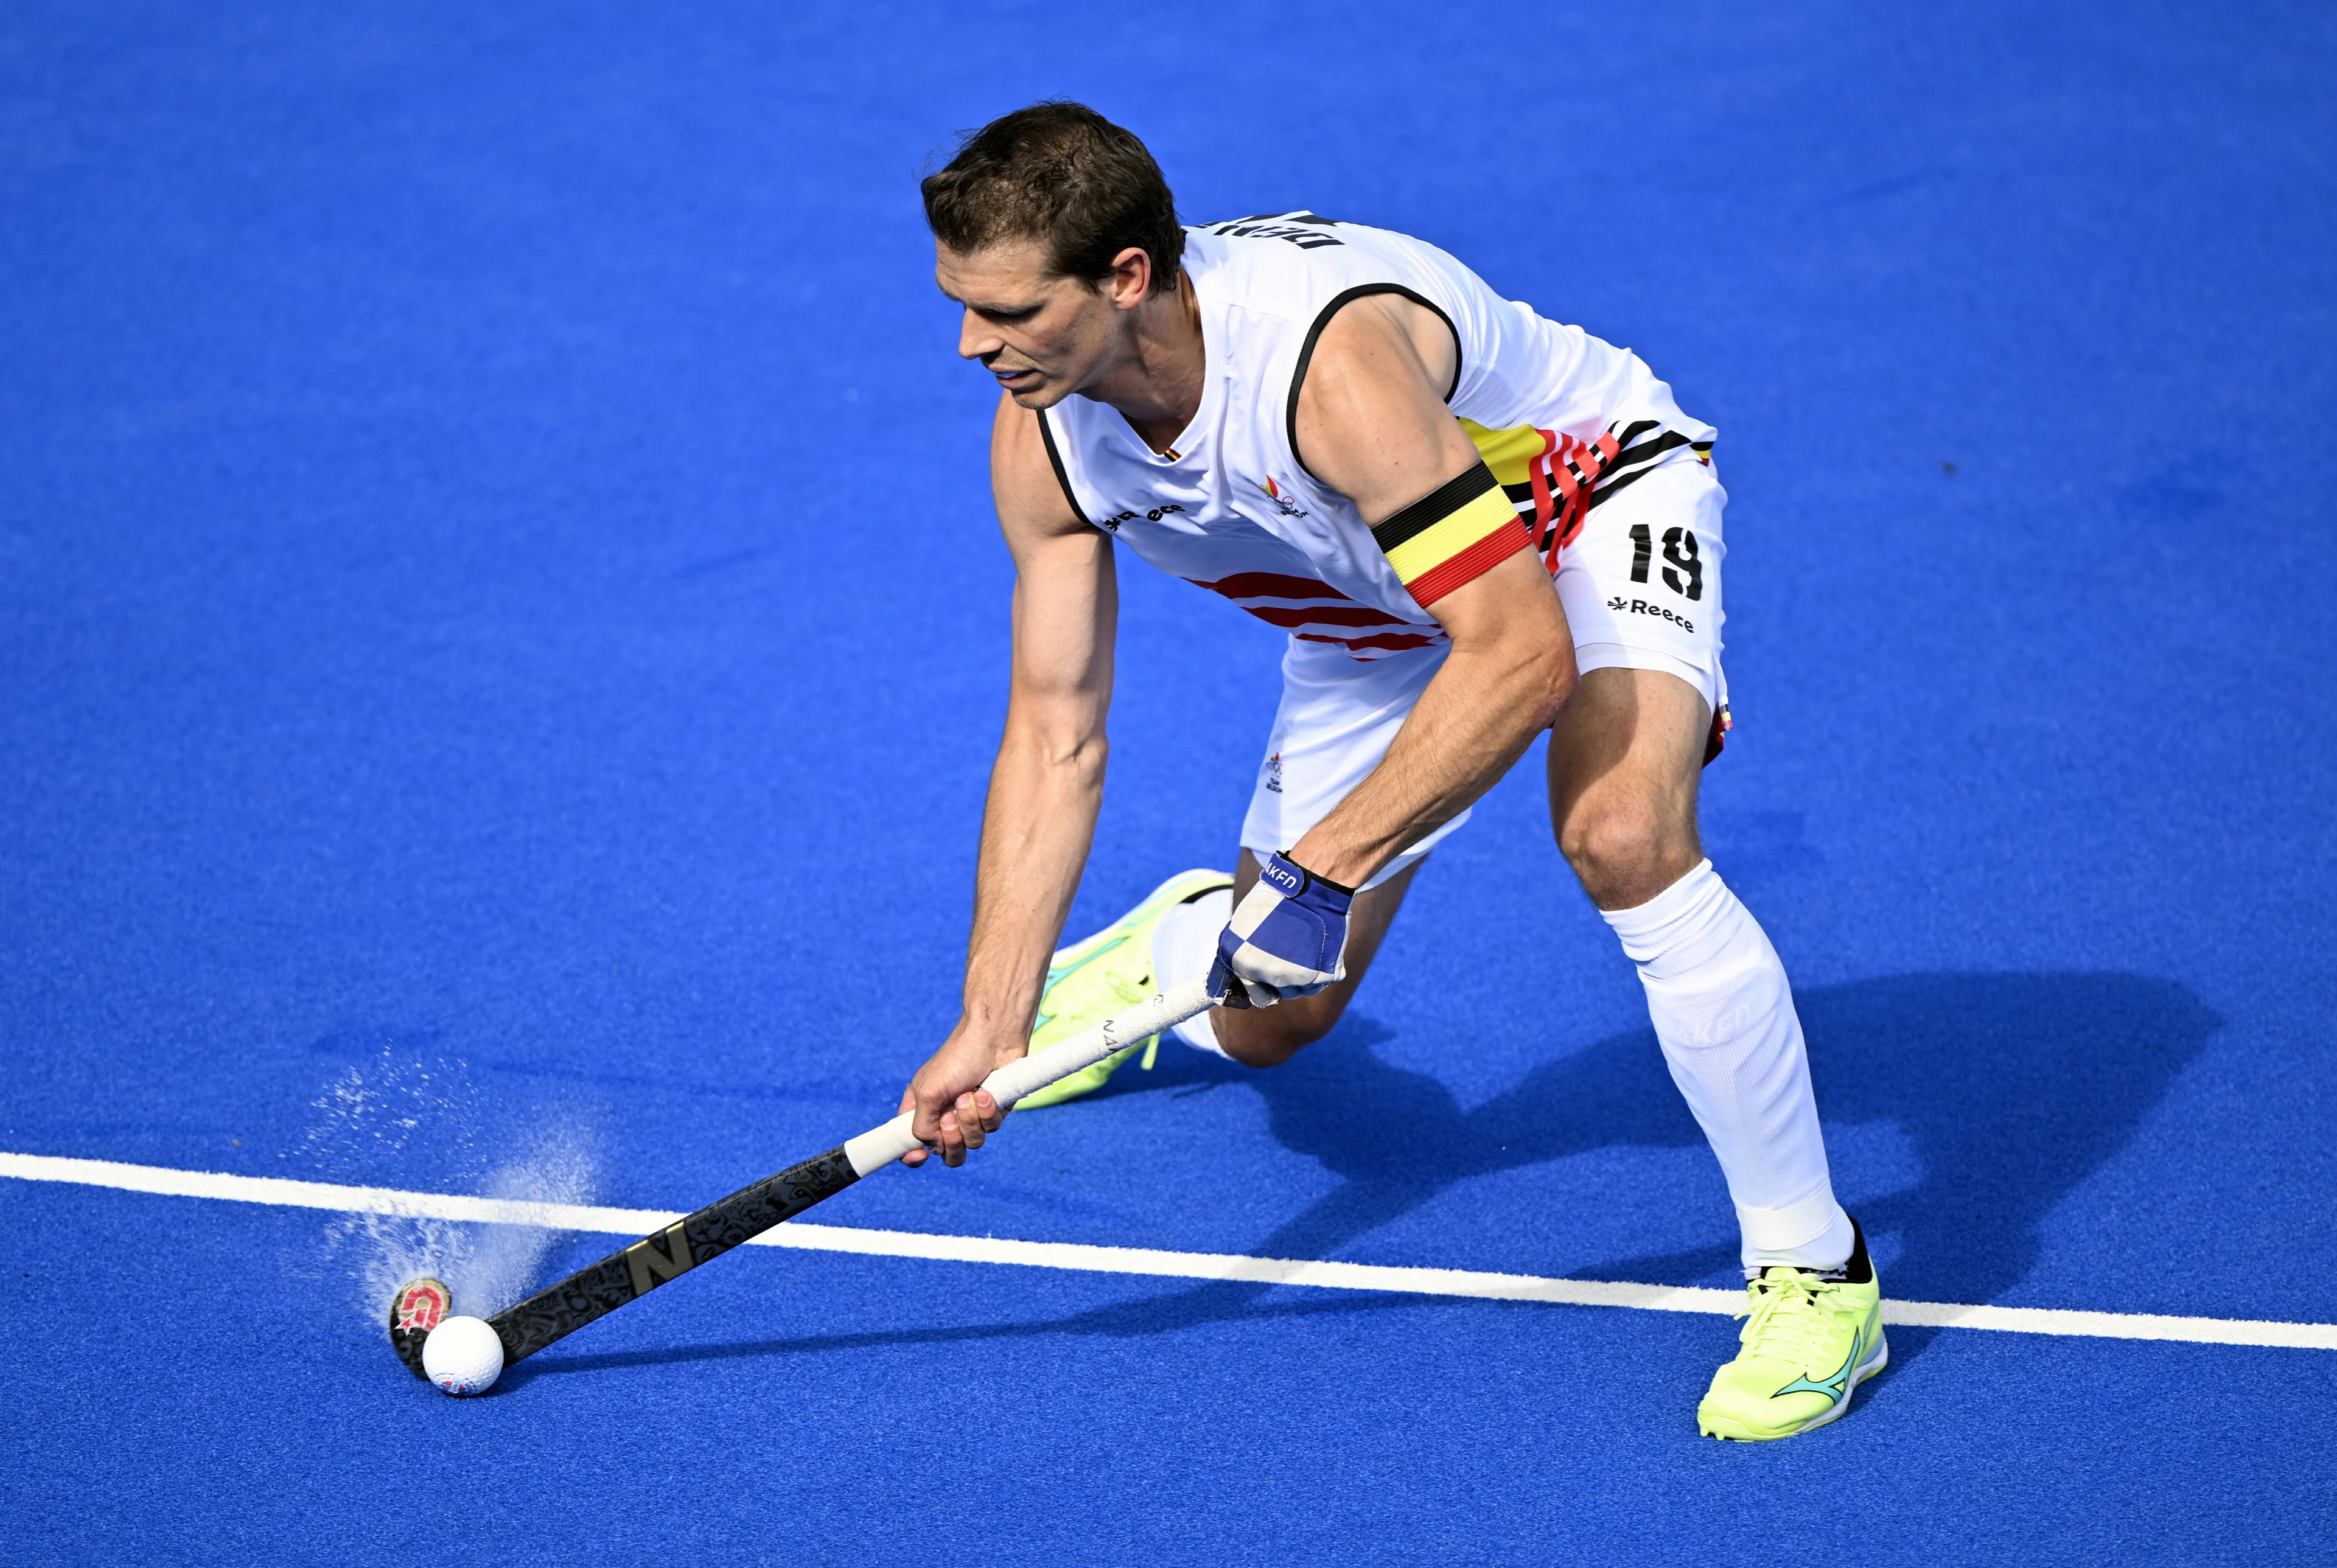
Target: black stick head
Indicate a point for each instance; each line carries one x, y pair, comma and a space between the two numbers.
417, 1308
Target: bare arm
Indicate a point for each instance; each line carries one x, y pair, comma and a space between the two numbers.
1373, 424
1045, 787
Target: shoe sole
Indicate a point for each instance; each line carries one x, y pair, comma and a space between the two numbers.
1706, 1427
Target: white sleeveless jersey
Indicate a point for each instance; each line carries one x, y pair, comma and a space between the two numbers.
1563, 420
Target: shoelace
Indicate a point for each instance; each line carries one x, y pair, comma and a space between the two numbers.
1786, 1320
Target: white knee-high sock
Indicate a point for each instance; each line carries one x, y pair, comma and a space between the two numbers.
1184, 945
1724, 1015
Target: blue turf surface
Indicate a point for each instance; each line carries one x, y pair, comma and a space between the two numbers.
496, 581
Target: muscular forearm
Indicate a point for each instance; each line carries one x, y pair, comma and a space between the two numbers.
1036, 828
1478, 714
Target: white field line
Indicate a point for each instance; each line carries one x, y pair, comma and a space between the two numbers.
166, 1182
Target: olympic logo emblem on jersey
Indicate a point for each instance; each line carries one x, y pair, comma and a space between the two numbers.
1282, 503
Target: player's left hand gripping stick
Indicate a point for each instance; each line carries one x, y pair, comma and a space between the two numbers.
1289, 938
466, 1355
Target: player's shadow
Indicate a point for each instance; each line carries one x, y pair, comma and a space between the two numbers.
2012, 1089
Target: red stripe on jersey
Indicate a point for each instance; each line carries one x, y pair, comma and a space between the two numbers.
1393, 641
1537, 477
1471, 564
1330, 614
1268, 585
1344, 612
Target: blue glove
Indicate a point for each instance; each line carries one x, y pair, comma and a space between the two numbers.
1289, 938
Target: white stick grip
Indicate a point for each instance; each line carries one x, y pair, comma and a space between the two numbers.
881, 1147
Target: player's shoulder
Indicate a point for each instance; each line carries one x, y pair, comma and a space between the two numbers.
1302, 230
1027, 474
1287, 264
1301, 268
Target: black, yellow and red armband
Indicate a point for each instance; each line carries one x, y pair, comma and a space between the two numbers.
1453, 535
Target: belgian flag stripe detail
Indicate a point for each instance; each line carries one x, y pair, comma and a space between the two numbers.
1472, 563
1435, 554
1434, 508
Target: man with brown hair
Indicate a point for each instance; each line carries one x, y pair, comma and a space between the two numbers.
1477, 525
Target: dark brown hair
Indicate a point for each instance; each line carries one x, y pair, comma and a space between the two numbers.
1061, 175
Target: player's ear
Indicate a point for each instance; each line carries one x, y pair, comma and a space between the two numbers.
1130, 279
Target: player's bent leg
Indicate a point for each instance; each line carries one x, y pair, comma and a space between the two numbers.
1626, 756
1624, 764
1120, 965
1269, 1037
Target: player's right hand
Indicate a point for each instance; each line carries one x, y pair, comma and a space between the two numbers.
1289, 938
951, 1111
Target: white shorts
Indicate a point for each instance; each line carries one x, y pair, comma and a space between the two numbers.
1640, 585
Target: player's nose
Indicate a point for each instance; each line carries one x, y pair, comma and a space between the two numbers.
975, 341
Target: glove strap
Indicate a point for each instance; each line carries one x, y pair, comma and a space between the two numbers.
1290, 879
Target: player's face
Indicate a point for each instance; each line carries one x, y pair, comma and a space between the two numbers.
1042, 336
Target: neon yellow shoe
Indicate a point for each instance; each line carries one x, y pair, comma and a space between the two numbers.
1812, 1338
1093, 980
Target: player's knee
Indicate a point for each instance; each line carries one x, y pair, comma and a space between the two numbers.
1269, 1037
1625, 853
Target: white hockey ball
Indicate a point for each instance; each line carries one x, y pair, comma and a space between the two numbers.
463, 1356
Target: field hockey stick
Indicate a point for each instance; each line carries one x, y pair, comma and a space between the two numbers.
554, 1313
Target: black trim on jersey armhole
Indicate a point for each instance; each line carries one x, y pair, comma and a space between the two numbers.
1055, 460
1306, 350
